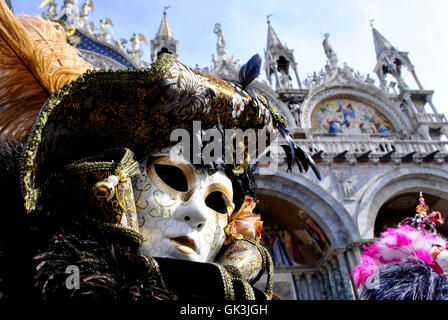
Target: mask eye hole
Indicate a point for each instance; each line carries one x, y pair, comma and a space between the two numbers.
217, 201
172, 176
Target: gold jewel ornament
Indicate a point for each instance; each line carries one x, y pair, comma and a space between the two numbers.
104, 190
112, 196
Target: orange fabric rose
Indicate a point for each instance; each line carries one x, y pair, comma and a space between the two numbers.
244, 223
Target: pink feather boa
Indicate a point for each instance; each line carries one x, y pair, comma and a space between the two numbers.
396, 244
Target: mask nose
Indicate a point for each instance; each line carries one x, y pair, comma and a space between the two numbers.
194, 214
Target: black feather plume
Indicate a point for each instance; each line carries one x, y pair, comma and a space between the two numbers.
413, 280
295, 153
250, 71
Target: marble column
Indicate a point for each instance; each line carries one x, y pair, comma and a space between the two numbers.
298, 282
345, 276
357, 254
332, 281
326, 284
325, 289
306, 293
320, 284
337, 278
351, 265
309, 285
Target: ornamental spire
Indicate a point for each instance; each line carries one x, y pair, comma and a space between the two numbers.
273, 39
164, 41
381, 44
164, 32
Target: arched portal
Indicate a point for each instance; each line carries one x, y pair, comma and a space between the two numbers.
295, 208
430, 181
292, 236
402, 206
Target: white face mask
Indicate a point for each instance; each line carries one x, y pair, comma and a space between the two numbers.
182, 211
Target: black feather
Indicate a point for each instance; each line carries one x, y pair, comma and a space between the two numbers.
295, 153
291, 155
305, 159
412, 280
250, 70
289, 158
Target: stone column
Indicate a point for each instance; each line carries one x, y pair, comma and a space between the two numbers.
417, 80
320, 283
316, 287
351, 265
429, 100
408, 100
337, 278
345, 276
309, 285
298, 282
332, 281
303, 287
357, 254
294, 64
326, 284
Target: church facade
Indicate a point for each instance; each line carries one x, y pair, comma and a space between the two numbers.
376, 145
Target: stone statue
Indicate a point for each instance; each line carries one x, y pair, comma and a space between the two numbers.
85, 13
221, 38
296, 110
285, 80
329, 52
136, 52
121, 44
105, 33
52, 10
135, 41
90, 28
70, 9
369, 80
346, 184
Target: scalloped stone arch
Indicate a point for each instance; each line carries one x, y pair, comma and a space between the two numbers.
327, 212
399, 122
394, 183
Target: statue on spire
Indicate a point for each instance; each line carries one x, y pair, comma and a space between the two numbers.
329, 52
221, 44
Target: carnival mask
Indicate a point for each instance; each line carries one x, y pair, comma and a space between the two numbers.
182, 210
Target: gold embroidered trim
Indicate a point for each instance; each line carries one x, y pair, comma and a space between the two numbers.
229, 293
268, 265
154, 271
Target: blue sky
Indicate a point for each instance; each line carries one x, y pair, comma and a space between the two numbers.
416, 26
